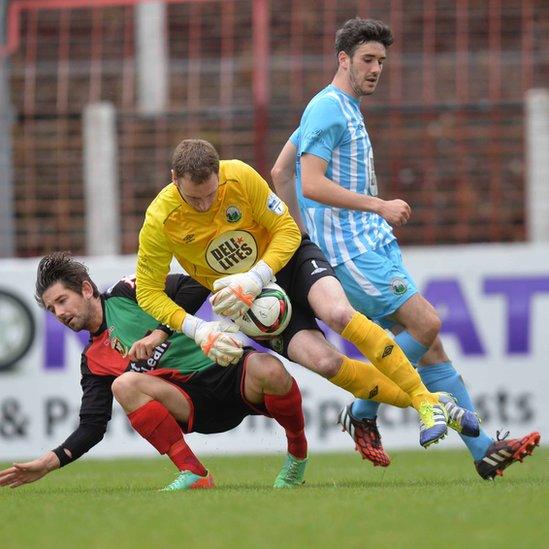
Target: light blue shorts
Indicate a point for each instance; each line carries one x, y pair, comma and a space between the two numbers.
377, 283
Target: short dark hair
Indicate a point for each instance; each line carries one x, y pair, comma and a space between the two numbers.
196, 158
61, 267
357, 31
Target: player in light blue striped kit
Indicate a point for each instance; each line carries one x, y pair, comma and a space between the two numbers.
337, 197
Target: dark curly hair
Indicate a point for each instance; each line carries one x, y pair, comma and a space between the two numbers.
357, 31
61, 267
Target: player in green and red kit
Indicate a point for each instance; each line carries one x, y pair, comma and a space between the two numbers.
164, 382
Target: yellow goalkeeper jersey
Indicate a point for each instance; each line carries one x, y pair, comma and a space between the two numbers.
247, 222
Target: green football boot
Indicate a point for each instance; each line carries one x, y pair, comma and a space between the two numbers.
190, 481
291, 474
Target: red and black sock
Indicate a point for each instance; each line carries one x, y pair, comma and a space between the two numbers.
154, 423
287, 410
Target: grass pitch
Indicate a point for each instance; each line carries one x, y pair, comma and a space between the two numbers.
424, 499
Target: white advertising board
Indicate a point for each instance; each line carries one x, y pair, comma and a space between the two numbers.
493, 299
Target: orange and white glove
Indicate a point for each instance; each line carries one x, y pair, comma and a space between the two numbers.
234, 294
215, 338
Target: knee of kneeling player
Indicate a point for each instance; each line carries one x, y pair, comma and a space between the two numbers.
269, 372
125, 386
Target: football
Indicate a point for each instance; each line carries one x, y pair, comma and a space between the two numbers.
269, 314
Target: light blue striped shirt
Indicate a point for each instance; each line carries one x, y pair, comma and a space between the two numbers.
332, 128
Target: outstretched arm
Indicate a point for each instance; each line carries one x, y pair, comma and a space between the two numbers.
95, 413
25, 473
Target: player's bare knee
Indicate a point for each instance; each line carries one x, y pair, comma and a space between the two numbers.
269, 372
125, 386
431, 328
330, 363
338, 316
436, 325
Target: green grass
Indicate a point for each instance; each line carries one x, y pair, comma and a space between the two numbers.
424, 499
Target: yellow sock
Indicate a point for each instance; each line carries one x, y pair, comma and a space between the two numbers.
365, 381
385, 354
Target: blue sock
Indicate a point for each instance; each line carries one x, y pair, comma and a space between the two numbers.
414, 350
444, 377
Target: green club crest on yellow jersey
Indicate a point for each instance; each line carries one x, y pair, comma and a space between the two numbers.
233, 214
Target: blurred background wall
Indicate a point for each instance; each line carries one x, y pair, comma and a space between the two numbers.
448, 121
95, 95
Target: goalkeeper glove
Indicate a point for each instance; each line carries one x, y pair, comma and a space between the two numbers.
235, 293
214, 338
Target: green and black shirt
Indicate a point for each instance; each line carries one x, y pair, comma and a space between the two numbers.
105, 356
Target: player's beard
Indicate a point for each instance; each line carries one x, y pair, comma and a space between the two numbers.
76, 324
79, 322
358, 90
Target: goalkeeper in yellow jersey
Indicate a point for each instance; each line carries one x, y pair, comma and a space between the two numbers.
232, 234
